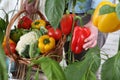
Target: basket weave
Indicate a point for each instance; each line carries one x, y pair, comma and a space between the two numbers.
57, 51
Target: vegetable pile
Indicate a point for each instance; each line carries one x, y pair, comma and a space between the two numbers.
31, 38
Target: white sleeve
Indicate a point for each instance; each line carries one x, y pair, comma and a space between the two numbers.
8, 6
42, 7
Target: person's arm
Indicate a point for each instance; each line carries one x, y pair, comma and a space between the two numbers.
91, 41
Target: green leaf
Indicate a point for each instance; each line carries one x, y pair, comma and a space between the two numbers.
91, 11
81, 0
51, 68
29, 1
91, 76
74, 3
118, 10
37, 75
34, 50
106, 9
3, 24
5, 18
3, 68
85, 69
111, 68
28, 72
54, 10
1, 36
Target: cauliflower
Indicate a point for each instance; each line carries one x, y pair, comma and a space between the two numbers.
27, 39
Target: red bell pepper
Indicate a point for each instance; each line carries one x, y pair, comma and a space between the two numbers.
79, 35
66, 23
25, 23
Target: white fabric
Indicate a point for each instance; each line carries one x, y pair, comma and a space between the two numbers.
8, 6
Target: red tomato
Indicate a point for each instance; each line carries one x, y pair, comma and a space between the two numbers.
12, 48
48, 27
56, 34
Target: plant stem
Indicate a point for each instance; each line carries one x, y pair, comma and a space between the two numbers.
69, 51
80, 19
119, 45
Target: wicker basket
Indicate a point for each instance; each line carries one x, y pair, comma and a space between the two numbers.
58, 50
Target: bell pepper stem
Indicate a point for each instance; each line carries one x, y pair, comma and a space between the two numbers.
70, 55
80, 19
67, 12
31, 50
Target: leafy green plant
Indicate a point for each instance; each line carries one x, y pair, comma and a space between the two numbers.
111, 68
85, 69
54, 10
3, 69
80, 70
51, 68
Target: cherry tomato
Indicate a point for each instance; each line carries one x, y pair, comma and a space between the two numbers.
58, 34
48, 27
12, 45
12, 48
55, 33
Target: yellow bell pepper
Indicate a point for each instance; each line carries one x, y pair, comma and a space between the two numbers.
38, 23
46, 43
107, 22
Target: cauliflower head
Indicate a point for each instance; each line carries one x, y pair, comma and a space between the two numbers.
26, 39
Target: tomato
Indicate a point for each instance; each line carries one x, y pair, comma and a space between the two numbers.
58, 34
12, 48
55, 33
48, 27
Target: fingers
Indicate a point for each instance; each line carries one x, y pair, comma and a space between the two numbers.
94, 44
90, 42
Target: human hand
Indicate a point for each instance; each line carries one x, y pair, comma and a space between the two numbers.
91, 41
